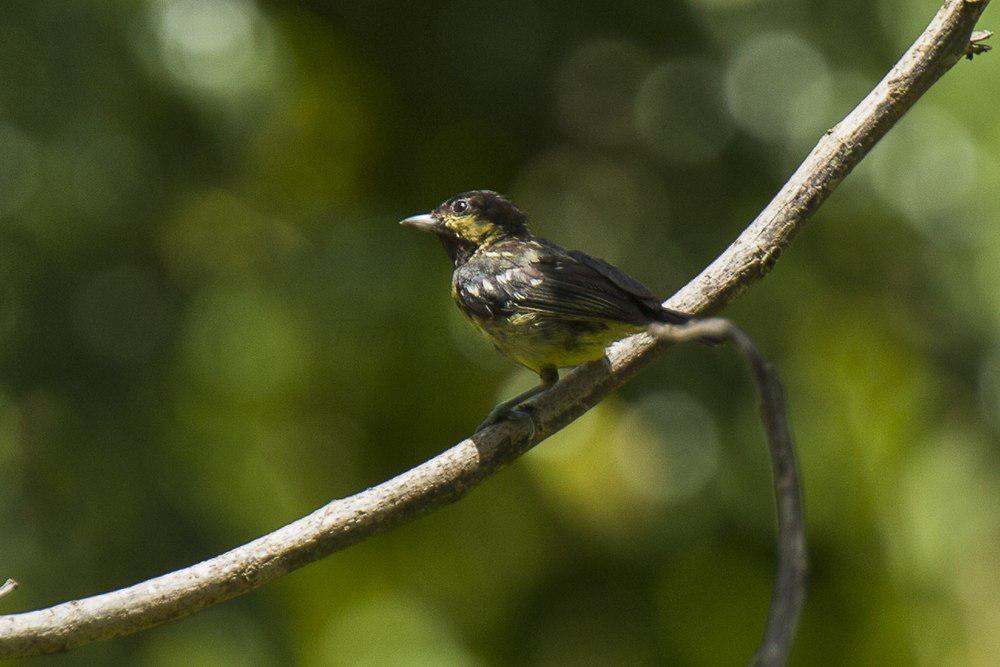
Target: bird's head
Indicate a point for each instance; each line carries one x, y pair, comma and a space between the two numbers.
471, 220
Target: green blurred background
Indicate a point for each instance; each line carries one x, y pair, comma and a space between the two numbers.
210, 324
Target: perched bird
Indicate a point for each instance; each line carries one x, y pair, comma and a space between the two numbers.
542, 305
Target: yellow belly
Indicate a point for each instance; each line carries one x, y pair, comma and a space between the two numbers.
538, 341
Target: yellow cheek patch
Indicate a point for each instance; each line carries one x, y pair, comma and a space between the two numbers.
471, 228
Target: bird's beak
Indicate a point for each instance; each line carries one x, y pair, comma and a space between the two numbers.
425, 222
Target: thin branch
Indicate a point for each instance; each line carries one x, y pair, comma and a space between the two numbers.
790, 581
451, 474
754, 253
8, 587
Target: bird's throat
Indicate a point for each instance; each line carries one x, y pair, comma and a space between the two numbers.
459, 250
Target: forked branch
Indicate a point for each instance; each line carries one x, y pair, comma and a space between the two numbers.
451, 474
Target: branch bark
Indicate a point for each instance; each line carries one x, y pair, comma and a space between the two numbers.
450, 475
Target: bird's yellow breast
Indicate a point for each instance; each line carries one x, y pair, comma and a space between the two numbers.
539, 341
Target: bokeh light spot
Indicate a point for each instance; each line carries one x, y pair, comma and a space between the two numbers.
220, 46
667, 447
202, 28
659, 452
588, 202
946, 508
925, 168
680, 114
778, 86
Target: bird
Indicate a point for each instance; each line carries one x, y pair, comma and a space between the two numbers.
542, 305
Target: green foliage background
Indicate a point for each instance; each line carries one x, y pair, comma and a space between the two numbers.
210, 324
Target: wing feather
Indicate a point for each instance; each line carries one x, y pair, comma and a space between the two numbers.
544, 278
575, 285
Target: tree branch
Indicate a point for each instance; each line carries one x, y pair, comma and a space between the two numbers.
451, 474
8, 587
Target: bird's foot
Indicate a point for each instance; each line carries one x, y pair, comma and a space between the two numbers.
519, 408
504, 412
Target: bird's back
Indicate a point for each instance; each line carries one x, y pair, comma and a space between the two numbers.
547, 306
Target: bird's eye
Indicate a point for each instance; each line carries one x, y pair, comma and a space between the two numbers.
461, 206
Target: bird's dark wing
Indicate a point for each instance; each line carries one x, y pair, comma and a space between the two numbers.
621, 279
648, 302
549, 280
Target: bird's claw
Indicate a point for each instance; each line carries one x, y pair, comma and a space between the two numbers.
504, 412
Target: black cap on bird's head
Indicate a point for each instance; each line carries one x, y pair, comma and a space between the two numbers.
470, 220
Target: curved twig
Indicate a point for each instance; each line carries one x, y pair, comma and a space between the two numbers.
450, 475
790, 581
